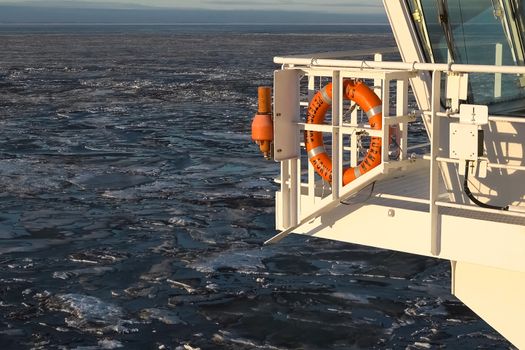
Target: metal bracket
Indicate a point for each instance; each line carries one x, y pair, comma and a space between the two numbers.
474, 114
457, 89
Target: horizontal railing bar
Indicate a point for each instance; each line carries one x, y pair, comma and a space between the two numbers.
489, 165
315, 127
415, 66
492, 118
507, 119
480, 209
421, 145
402, 198
400, 119
385, 196
347, 130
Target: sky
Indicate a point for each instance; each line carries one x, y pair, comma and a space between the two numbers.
330, 6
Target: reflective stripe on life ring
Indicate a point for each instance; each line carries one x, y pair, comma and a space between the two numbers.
369, 103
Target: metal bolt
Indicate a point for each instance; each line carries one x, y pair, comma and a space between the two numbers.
391, 213
279, 150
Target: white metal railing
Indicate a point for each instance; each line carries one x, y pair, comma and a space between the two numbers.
291, 185
294, 192
401, 66
492, 118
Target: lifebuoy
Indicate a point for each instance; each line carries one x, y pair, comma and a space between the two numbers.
369, 103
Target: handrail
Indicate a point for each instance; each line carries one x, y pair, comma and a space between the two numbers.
489, 165
492, 118
414, 66
468, 207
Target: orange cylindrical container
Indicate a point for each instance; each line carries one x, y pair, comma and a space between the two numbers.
265, 100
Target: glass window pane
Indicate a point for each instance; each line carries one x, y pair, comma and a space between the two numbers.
476, 32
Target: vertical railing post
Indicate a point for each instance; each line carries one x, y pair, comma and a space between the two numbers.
285, 194
295, 183
435, 227
382, 89
402, 110
311, 171
337, 107
354, 149
497, 76
386, 113
377, 81
294, 175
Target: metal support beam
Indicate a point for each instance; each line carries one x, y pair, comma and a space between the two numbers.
337, 116
402, 109
435, 229
386, 115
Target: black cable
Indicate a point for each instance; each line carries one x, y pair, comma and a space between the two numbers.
444, 21
463, 31
367, 198
474, 199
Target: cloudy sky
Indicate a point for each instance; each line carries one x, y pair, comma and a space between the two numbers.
333, 6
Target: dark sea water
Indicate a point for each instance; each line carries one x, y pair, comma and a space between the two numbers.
133, 204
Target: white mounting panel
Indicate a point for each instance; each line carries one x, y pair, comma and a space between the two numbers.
286, 114
474, 114
464, 141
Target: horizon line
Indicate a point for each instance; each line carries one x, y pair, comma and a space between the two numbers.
35, 4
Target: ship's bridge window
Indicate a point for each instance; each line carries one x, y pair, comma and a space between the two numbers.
477, 32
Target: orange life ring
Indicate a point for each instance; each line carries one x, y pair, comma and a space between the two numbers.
369, 103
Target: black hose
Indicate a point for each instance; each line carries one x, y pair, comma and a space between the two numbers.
367, 198
474, 199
